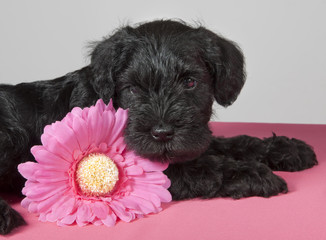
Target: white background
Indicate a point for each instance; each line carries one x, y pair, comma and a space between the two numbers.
284, 43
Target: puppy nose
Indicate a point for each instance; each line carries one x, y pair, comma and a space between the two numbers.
162, 132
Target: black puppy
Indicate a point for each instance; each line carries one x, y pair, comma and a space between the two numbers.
168, 74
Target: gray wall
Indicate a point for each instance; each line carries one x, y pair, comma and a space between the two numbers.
283, 41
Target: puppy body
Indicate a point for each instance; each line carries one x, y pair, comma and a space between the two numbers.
26, 108
168, 75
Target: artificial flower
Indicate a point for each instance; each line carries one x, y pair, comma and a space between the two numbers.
84, 172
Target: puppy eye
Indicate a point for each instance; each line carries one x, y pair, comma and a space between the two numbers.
133, 90
189, 83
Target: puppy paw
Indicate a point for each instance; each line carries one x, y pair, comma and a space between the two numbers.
251, 179
270, 185
285, 154
9, 218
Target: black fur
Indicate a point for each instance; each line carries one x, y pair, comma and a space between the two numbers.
9, 218
168, 74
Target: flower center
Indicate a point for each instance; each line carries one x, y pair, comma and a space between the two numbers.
96, 175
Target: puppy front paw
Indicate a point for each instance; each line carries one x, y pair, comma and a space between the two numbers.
285, 154
270, 185
9, 218
251, 179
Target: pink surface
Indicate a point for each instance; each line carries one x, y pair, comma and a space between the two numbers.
299, 214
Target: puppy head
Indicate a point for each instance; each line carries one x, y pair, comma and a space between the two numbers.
168, 74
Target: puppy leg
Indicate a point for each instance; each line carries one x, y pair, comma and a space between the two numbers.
14, 149
218, 176
198, 178
9, 218
285, 154
279, 153
245, 179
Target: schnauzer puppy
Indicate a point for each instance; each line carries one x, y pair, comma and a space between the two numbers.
168, 74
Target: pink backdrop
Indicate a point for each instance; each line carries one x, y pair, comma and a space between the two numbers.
299, 214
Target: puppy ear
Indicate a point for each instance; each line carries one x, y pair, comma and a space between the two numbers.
108, 58
225, 62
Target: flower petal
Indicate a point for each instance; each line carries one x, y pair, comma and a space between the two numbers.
32, 207
63, 134
28, 185
53, 215
133, 170
48, 159
117, 158
26, 202
160, 191
77, 112
85, 113
149, 166
108, 107
79, 127
42, 217
167, 184
148, 196
110, 220
144, 205
130, 204
46, 205
100, 105
69, 219
28, 169
152, 177
84, 215
63, 207
54, 146
107, 125
43, 191
120, 122
100, 210
97, 222
94, 125
119, 145
121, 211
48, 176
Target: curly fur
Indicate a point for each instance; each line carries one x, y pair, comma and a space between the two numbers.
148, 69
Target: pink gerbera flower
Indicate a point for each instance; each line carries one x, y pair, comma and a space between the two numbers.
84, 173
